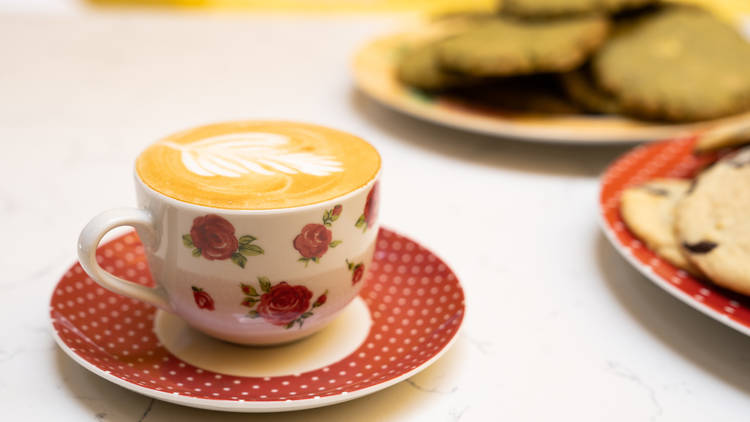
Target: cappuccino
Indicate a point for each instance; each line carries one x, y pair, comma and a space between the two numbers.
258, 165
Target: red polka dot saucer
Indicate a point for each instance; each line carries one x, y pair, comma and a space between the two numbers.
405, 318
673, 158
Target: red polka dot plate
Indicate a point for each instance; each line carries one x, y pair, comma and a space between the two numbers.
673, 158
405, 318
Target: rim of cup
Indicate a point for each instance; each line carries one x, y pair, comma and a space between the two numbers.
274, 211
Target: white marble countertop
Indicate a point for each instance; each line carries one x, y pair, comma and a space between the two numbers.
558, 326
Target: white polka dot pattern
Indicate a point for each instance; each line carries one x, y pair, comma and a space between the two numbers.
665, 159
415, 300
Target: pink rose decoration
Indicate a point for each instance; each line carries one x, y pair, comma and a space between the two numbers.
313, 241
214, 236
283, 303
203, 299
371, 206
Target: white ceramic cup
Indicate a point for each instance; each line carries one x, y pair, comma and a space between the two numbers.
245, 276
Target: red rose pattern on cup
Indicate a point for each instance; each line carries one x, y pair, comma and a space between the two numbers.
358, 270
315, 239
284, 304
213, 238
321, 299
336, 212
203, 299
370, 213
281, 304
357, 273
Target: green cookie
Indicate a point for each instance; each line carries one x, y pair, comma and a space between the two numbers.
542, 8
580, 87
678, 63
417, 59
418, 67
507, 46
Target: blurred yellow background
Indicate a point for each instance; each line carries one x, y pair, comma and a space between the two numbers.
731, 9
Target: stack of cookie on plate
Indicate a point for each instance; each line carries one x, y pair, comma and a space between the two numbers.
702, 225
639, 58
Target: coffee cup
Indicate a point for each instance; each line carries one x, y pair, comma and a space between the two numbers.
256, 232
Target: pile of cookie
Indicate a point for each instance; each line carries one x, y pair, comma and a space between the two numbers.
639, 58
702, 225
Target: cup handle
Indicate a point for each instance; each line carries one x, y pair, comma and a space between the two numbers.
89, 240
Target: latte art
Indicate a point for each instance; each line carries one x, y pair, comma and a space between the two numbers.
258, 165
263, 153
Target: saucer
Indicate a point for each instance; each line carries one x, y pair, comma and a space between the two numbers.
673, 158
406, 317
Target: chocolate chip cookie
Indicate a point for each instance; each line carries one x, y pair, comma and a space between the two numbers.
649, 212
712, 222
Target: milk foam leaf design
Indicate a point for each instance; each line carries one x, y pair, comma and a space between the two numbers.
237, 154
281, 304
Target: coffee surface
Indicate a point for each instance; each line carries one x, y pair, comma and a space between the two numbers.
258, 165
